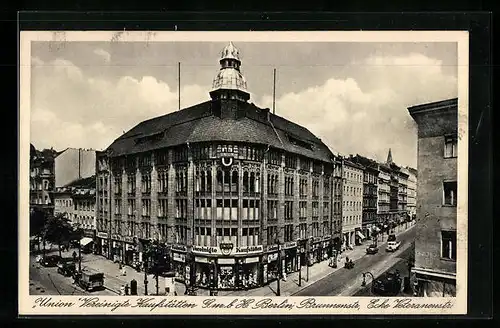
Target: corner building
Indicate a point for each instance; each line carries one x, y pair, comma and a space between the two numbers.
225, 184
436, 226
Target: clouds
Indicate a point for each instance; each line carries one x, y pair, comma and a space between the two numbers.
358, 107
106, 56
73, 109
367, 114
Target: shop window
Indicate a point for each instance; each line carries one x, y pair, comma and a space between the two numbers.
449, 245
450, 193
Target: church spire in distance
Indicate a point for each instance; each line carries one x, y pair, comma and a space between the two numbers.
389, 157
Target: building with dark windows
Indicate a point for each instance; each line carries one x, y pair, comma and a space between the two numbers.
411, 204
436, 234
230, 188
76, 201
42, 179
352, 203
370, 193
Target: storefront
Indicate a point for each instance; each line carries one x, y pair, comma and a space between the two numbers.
290, 260
234, 267
270, 265
117, 252
101, 245
179, 261
326, 251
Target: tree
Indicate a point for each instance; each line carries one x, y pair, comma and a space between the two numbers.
58, 230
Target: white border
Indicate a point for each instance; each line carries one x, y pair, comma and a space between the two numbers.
27, 302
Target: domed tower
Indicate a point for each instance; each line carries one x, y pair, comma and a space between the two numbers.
229, 87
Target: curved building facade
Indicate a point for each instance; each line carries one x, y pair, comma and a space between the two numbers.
230, 188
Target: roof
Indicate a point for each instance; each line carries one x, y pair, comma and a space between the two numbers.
199, 124
352, 164
89, 182
434, 106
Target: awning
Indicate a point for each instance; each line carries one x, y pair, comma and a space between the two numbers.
85, 241
360, 235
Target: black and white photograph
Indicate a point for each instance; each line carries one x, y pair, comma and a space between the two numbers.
293, 170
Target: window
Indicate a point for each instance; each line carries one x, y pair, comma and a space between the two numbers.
162, 208
288, 233
450, 147
449, 245
288, 210
146, 207
450, 193
146, 183
162, 181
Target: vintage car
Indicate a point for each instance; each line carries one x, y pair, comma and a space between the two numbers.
90, 280
50, 260
66, 267
372, 249
388, 285
393, 246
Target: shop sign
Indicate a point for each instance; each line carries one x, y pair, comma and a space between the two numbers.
102, 235
206, 250
180, 248
248, 250
128, 239
251, 260
116, 237
89, 233
272, 248
225, 261
290, 244
272, 257
179, 257
327, 237
201, 259
316, 239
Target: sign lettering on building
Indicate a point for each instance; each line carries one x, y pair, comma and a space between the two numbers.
226, 248
102, 235
249, 250
290, 244
208, 250
180, 248
179, 257
272, 248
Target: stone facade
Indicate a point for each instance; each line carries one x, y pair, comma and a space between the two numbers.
436, 243
352, 203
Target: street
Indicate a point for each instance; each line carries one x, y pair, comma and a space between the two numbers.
346, 282
47, 281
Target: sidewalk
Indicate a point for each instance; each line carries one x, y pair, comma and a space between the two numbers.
114, 280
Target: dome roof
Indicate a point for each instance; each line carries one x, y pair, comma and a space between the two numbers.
230, 52
229, 79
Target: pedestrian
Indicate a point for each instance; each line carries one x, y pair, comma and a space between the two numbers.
124, 272
74, 256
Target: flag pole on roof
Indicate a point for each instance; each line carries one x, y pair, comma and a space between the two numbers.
274, 91
179, 86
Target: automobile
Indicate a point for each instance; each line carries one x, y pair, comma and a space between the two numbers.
387, 285
50, 260
66, 267
372, 249
90, 280
392, 237
393, 246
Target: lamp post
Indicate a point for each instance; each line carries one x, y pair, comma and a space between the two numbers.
278, 289
363, 283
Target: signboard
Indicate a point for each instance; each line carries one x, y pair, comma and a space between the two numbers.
128, 239
226, 248
226, 261
327, 237
180, 248
290, 244
264, 272
207, 250
251, 260
249, 250
102, 235
272, 257
116, 237
272, 248
201, 259
179, 257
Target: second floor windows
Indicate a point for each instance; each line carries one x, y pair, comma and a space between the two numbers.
272, 209
289, 186
303, 187
181, 208
272, 184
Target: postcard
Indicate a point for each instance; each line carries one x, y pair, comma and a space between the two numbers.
255, 173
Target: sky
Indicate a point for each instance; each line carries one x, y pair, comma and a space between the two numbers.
354, 96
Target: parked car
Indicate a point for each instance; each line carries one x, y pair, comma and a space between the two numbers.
50, 260
372, 249
66, 267
393, 246
388, 285
392, 237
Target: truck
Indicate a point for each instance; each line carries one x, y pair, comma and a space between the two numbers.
393, 246
90, 280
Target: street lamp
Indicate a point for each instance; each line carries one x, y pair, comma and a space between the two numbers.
278, 289
363, 283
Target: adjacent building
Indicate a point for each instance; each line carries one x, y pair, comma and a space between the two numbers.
73, 164
370, 193
229, 186
42, 179
411, 204
436, 226
352, 203
384, 195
